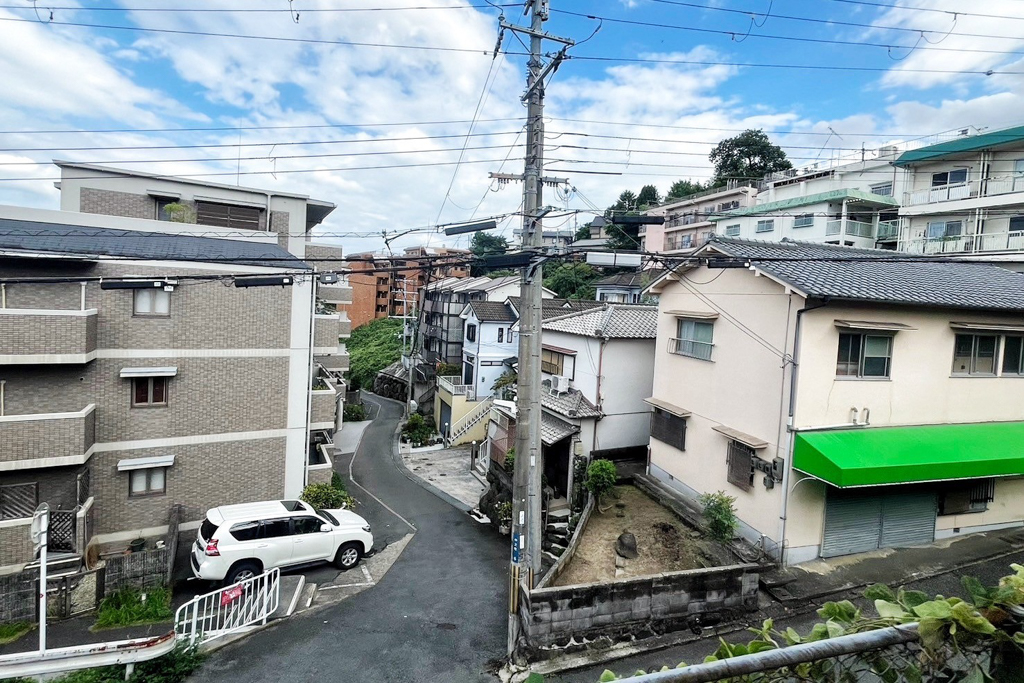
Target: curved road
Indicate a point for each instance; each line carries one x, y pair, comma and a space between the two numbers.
437, 615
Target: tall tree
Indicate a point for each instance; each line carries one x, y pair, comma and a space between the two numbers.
747, 156
572, 280
582, 233
649, 196
484, 245
684, 188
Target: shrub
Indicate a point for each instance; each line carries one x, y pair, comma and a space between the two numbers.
417, 431
720, 515
504, 512
448, 369
510, 462
14, 630
601, 478
354, 412
127, 606
324, 496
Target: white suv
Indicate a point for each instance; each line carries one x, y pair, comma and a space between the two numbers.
237, 542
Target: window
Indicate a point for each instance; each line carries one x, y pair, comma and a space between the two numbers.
470, 332
552, 362
732, 230
940, 229
162, 214
149, 391
864, 355
765, 225
669, 428
155, 302
276, 528
741, 465
147, 482
975, 354
968, 496
245, 531
884, 189
228, 216
306, 525
1017, 224
1013, 355
501, 335
804, 220
508, 337
953, 177
693, 339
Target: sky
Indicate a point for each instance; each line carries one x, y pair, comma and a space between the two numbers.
397, 110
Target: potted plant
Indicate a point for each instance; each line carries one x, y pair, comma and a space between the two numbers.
504, 513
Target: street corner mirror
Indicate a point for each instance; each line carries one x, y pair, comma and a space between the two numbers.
325, 527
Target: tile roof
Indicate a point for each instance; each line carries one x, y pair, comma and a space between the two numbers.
553, 430
610, 321
822, 270
492, 311
66, 238
571, 404
807, 200
552, 308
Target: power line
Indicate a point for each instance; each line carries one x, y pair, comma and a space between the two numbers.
235, 129
883, 5
259, 10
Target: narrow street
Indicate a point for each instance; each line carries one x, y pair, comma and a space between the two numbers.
437, 615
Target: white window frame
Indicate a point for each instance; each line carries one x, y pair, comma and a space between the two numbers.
732, 230
888, 187
151, 302
803, 220
765, 225
148, 476
686, 342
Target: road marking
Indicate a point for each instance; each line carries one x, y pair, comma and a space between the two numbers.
346, 585
353, 479
366, 573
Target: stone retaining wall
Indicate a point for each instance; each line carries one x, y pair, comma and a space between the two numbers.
565, 618
558, 567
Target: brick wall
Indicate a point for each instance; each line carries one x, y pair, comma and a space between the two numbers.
35, 334
323, 407
15, 545
114, 203
24, 440
326, 331
635, 607
62, 296
320, 475
279, 222
203, 476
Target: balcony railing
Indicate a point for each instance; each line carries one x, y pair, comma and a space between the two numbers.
35, 336
888, 230
691, 348
326, 332
48, 439
323, 406
853, 228
959, 244
336, 363
990, 187
452, 386
336, 293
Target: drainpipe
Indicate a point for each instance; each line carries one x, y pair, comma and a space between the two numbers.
842, 226
3, 296
787, 472
2, 383
83, 296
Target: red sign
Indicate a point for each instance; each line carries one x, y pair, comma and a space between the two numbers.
230, 595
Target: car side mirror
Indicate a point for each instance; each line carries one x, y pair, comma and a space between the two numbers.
325, 527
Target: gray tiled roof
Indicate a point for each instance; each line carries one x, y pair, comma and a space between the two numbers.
636, 278
552, 308
553, 430
492, 311
571, 404
822, 270
610, 321
32, 236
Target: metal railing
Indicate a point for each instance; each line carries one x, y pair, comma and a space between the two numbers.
853, 228
467, 421
691, 348
989, 187
959, 244
229, 609
888, 229
452, 386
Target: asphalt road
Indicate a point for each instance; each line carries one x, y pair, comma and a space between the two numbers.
437, 615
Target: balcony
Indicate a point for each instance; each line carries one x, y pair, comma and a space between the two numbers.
990, 187
961, 244
336, 293
47, 439
335, 363
326, 332
454, 387
323, 407
35, 336
345, 326
853, 228
888, 230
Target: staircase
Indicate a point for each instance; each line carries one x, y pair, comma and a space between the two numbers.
470, 420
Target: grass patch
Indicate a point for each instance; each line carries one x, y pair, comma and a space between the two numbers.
11, 632
127, 607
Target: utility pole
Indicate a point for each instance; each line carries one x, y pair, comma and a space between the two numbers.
526, 481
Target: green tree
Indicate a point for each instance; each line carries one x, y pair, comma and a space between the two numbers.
572, 280
601, 478
372, 347
484, 245
649, 196
582, 233
747, 156
684, 188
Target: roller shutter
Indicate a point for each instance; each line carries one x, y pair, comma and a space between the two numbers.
858, 521
908, 519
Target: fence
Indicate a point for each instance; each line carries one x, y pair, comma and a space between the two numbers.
18, 597
217, 614
141, 570
889, 655
74, 594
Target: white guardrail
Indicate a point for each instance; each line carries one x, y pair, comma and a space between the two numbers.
88, 656
229, 609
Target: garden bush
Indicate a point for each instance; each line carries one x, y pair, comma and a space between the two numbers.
325, 496
128, 606
354, 412
601, 478
417, 430
720, 514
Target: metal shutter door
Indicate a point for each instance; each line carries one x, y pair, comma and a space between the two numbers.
908, 519
853, 523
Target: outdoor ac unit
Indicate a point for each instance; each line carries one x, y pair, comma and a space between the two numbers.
560, 383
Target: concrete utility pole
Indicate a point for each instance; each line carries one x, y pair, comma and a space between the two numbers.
526, 482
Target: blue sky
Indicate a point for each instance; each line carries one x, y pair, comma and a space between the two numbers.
654, 121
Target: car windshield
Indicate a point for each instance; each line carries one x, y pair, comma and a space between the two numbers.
328, 516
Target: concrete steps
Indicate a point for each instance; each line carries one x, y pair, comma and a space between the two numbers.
58, 565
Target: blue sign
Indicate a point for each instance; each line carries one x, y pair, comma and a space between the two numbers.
515, 548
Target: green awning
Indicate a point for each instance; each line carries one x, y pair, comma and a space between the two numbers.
904, 455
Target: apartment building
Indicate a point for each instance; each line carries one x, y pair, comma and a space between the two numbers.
688, 223
964, 195
148, 362
847, 401
625, 288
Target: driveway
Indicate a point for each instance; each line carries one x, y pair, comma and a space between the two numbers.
437, 615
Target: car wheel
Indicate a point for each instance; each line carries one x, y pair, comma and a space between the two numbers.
242, 572
348, 556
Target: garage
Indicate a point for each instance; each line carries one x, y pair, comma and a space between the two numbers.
859, 520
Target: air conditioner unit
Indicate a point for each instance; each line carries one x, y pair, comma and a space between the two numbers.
560, 383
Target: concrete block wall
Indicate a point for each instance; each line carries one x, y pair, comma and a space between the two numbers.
326, 331
46, 334
319, 475
59, 437
636, 606
15, 543
323, 406
134, 205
